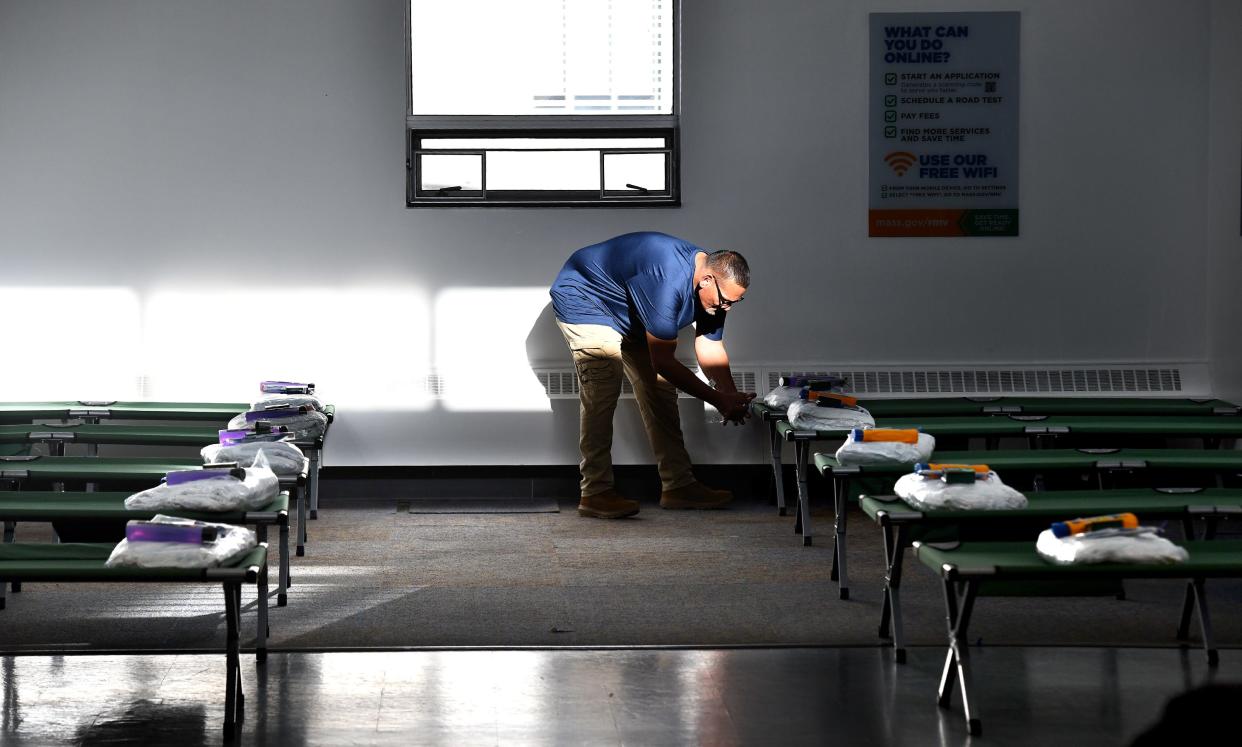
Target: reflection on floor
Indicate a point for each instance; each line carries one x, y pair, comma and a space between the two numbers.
744, 696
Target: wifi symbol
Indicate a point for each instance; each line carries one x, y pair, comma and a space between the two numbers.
900, 161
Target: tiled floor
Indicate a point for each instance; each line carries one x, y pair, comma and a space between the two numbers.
789, 696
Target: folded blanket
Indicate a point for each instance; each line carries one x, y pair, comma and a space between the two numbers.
268, 401
302, 425
932, 493
808, 415
782, 396
283, 458
886, 452
1142, 545
231, 543
225, 493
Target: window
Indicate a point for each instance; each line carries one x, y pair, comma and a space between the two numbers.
543, 102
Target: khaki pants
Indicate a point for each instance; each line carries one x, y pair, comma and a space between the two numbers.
601, 356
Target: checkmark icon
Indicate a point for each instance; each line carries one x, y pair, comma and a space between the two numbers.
890, 79
890, 101
890, 132
890, 116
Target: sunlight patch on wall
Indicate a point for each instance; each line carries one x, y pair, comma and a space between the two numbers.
70, 343
362, 347
480, 348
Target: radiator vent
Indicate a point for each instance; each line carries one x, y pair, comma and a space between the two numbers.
1001, 381
559, 383
563, 384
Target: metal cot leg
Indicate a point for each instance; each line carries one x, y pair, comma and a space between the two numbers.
1205, 623
297, 495
894, 553
261, 631
233, 706
10, 532
778, 478
282, 590
840, 499
957, 661
313, 477
803, 449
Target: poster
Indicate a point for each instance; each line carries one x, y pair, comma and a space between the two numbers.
944, 124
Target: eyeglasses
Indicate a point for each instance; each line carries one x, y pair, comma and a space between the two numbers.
724, 303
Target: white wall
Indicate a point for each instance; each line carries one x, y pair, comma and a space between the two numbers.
174, 149
1224, 218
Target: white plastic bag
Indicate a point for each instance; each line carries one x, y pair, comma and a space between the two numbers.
886, 452
809, 416
282, 457
231, 543
932, 493
220, 494
268, 401
305, 425
782, 397
1109, 546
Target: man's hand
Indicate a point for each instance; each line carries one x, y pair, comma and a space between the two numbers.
734, 407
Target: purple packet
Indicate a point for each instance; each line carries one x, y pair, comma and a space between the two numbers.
180, 477
285, 387
254, 415
150, 531
228, 438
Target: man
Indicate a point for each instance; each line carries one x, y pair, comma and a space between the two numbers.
620, 304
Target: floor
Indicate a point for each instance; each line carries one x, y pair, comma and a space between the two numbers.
377, 576
740, 696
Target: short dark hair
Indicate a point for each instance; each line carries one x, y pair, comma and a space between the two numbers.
731, 266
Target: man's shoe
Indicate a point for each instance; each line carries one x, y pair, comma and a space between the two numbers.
695, 495
607, 505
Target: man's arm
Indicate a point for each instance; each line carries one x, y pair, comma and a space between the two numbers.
714, 363
731, 404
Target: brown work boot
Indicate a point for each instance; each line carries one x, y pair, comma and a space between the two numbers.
695, 495
607, 505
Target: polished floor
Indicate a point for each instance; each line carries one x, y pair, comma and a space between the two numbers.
741, 696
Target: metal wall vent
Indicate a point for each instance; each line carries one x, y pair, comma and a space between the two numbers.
1001, 381
559, 383
563, 384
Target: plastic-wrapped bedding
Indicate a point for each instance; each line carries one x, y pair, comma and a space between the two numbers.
782, 396
303, 425
269, 401
932, 493
230, 543
886, 452
224, 493
809, 416
283, 458
1142, 545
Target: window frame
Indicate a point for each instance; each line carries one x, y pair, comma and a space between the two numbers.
666, 126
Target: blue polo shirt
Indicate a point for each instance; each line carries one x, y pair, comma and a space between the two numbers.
635, 282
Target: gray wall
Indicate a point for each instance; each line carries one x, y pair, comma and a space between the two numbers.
155, 144
1224, 215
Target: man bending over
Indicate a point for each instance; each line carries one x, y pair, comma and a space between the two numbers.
620, 304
